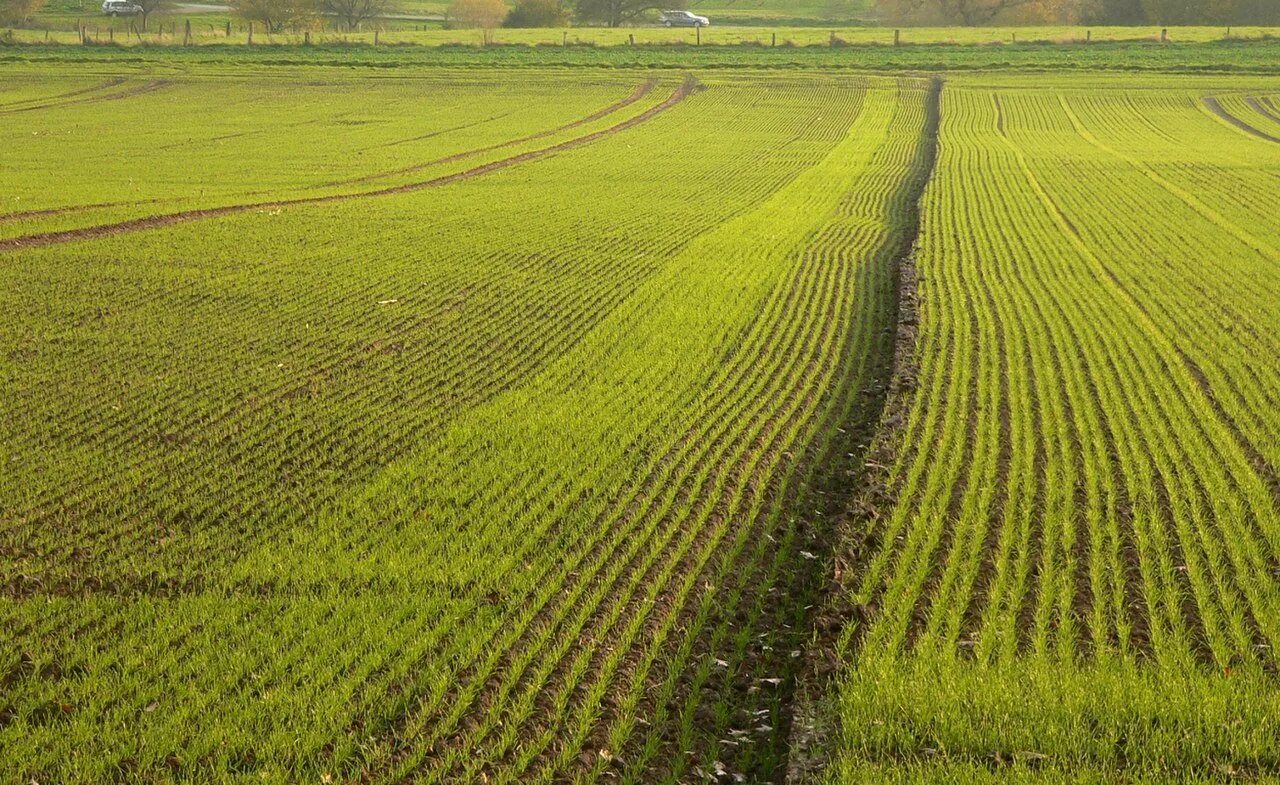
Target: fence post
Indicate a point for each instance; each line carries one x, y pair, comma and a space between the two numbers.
897, 38
251, 34
1164, 35
375, 37
1088, 36
698, 30
631, 37
228, 28
186, 35
306, 37
775, 39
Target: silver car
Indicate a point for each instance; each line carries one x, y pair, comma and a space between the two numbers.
682, 19
120, 8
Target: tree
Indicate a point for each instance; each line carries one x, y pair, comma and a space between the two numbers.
485, 14
16, 12
538, 13
354, 13
1175, 12
615, 12
1114, 12
150, 7
966, 12
276, 15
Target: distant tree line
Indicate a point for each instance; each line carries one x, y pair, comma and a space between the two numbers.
1093, 12
488, 14
613, 13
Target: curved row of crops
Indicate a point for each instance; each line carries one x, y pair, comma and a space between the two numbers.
216, 139
1074, 571
509, 480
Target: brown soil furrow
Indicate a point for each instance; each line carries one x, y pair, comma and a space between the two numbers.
639, 92
1217, 108
159, 221
884, 415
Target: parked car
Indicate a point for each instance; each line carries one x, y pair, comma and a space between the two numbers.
682, 19
120, 8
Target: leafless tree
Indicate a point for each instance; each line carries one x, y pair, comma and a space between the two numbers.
354, 13
16, 12
615, 12
276, 15
150, 7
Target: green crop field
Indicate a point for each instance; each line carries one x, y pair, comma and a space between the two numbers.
482, 415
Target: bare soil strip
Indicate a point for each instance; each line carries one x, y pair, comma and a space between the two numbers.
158, 221
806, 714
1218, 109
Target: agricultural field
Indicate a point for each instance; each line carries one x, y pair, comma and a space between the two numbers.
367, 418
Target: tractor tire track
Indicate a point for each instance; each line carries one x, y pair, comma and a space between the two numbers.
132, 92
1218, 109
58, 100
682, 92
1262, 109
641, 90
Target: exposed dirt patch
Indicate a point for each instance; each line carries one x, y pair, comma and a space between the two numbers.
808, 718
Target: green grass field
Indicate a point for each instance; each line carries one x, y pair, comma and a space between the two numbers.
372, 416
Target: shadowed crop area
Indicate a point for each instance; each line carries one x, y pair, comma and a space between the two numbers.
1066, 567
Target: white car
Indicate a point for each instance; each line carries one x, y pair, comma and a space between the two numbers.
120, 8
682, 19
